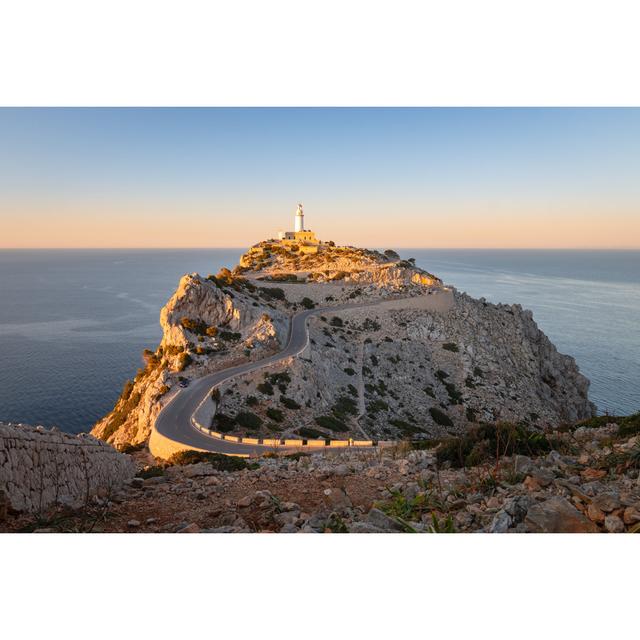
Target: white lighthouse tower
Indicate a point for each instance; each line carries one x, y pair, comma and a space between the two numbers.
299, 224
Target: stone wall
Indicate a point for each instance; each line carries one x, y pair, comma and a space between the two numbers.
40, 468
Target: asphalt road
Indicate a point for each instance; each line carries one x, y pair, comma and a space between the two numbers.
174, 421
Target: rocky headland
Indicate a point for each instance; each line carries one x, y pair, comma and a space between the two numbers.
420, 361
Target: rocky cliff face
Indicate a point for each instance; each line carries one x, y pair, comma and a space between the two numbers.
208, 323
419, 362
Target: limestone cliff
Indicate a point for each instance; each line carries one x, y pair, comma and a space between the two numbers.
421, 360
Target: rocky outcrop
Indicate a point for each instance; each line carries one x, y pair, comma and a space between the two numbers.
420, 371
423, 361
41, 468
207, 324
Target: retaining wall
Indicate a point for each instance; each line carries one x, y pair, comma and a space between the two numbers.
40, 468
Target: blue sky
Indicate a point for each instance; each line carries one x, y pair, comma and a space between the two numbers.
414, 177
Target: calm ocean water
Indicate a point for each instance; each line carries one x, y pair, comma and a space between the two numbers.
73, 323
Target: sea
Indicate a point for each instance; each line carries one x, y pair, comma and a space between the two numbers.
73, 323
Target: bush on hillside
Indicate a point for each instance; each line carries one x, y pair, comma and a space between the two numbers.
248, 420
440, 417
332, 423
219, 461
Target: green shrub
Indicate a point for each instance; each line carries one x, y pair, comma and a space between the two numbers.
629, 425
275, 414
332, 423
290, 403
252, 401
406, 428
248, 420
488, 441
352, 390
219, 461
131, 448
307, 303
349, 371
308, 432
440, 417
451, 346
150, 472
282, 377
377, 405
195, 326
224, 423
345, 405
272, 293
266, 388
184, 360
454, 395
230, 336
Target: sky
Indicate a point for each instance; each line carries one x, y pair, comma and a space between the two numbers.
446, 177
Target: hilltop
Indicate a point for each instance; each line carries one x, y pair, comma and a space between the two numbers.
421, 361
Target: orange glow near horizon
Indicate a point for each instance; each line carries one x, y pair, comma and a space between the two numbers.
384, 225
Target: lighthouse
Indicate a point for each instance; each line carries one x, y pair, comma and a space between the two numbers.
299, 219
304, 240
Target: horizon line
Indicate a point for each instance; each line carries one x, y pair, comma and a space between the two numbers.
166, 248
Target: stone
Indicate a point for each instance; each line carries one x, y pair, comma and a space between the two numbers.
501, 522
522, 464
543, 477
133, 524
595, 514
613, 524
607, 502
245, 501
530, 484
381, 520
592, 474
190, 528
337, 499
289, 528
403, 467
341, 470
287, 517
557, 515
631, 515
517, 507
154, 481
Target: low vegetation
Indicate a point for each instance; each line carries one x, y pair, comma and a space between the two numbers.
489, 442
332, 423
219, 461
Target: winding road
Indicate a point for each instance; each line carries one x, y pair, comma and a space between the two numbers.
174, 420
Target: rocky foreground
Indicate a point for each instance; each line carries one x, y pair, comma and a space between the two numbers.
496, 479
